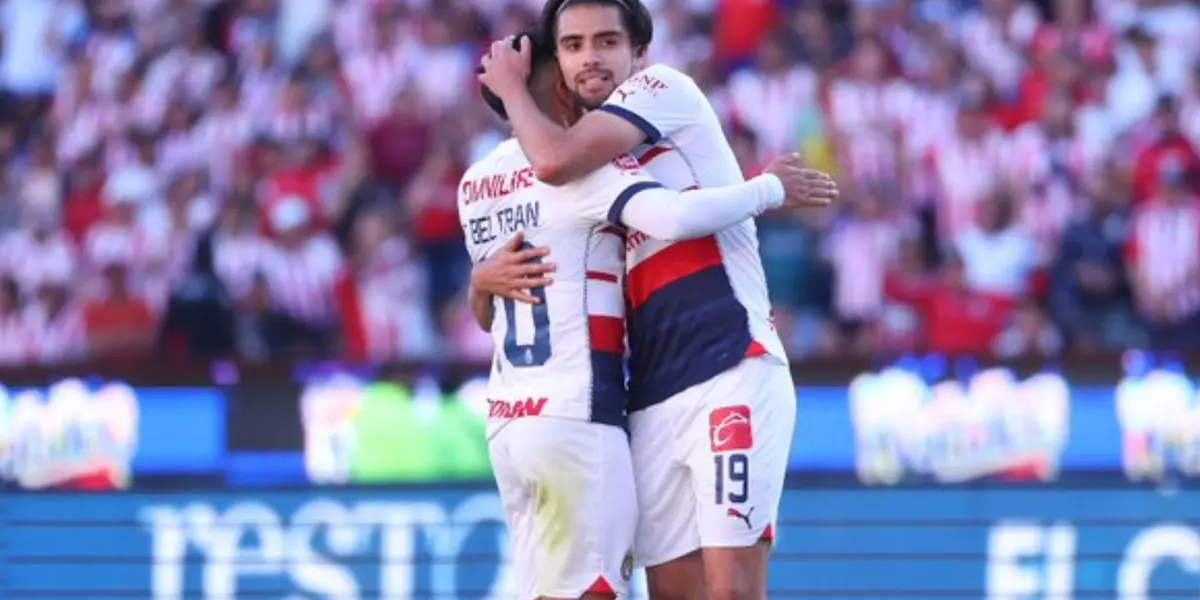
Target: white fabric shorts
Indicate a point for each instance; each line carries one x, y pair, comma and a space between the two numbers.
710, 462
567, 490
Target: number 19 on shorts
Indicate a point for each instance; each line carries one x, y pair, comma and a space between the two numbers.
730, 435
732, 477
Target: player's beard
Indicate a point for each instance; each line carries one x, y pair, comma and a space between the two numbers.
599, 97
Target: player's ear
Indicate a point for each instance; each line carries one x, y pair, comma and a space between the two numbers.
640, 56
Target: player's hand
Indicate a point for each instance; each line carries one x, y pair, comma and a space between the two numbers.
512, 271
506, 71
803, 187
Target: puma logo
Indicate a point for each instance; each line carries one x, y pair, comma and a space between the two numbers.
733, 512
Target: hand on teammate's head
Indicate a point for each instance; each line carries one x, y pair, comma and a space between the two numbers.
506, 67
514, 270
803, 187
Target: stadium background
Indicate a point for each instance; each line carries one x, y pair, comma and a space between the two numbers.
238, 362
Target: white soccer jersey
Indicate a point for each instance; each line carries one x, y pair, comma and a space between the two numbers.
697, 307
562, 357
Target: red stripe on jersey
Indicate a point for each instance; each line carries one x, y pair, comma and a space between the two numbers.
607, 334
601, 276
652, 154
669, 265
614, 231
756, 349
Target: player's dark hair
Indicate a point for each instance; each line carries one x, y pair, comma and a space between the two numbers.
540, 54
634, 14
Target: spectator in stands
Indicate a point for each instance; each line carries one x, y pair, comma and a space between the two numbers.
956, 319
997, 254
199, 319
1167, 145
1029, 334
382, 304
1089, 294
16, 342
167, 115
1163, 257
55, 320
120, 325
861, 249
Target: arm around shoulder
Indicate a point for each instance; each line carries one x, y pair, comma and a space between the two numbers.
599, 137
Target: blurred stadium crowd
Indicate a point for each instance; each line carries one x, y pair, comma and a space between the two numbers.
274, 177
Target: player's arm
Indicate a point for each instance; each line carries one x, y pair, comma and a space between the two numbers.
649, 106
665, 214
481, 305
626, 196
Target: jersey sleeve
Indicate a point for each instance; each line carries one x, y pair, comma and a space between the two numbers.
602, 196
622, 194
659, 100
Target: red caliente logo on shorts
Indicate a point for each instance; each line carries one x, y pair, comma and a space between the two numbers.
729, 428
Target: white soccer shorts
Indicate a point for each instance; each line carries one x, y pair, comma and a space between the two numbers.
567, 490
710, 462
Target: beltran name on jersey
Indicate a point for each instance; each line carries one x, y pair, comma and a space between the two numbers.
697, 308
564, 356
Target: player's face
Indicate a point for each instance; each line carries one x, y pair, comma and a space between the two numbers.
594, 52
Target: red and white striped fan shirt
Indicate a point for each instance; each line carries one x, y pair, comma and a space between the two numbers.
108, 242
374, 77
58, 339
966, 172
1164, 248
237, 258
395, 314
86, 127
869, 119
111, 54
30, 262
301, 279
220, 135
1053, 172
861, 252
179, 150
315, 121
770, 105
17, 343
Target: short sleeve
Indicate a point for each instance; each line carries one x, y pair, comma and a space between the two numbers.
659, 100
604, 194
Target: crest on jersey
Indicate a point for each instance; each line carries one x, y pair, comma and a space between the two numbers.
996, 425
627, 164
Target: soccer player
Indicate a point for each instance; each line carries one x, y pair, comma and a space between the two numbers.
557, 397
712, 407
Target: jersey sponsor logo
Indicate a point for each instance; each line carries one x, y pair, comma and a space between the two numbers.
729, 428
515, 409
642, 82
496, 185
